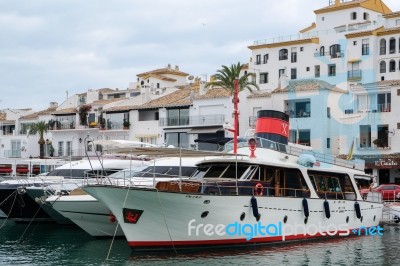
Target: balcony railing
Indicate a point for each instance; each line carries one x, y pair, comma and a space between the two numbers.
334, 55
379, 108
385, 143
12, 154
354, 75
196, 120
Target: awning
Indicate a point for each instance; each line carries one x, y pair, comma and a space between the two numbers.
146, 135
354, 60
203, 130
5, 170
22, 170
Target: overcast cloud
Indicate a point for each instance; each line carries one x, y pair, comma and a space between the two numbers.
49, 47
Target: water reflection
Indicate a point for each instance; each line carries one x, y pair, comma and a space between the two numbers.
54, 245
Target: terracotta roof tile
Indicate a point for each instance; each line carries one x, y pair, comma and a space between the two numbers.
160, 77
71, 110
260, 94
3, 116
180, 97
48, 111
308, 85
165, 70
214, 93
395, 82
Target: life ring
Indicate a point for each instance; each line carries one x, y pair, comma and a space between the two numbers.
259, 189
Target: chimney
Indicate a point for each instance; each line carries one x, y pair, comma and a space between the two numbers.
53, 105
176, 68
202, 89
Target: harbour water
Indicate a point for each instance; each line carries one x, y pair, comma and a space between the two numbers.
50, 244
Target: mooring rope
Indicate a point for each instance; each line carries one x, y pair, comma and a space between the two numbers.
166, 224
12, 206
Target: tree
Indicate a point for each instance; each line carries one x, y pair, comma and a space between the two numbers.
41, 127
226, 76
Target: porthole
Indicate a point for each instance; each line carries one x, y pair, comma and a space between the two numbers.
242, 216
206, 202
285, 219
204, 214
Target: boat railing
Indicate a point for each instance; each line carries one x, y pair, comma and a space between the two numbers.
296, 151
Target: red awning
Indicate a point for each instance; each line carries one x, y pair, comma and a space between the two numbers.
5, 170
22, 170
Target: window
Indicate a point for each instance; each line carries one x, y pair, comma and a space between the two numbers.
283, 54
397, 22
392, 45
382, 67
281, 72
317, 71
69, 148
392, 66
177, 139
258, 59
60, 148
328, 143
263, 78
332, 70
293, 55
328, 112
307, 69
382, 47
384, 101
301, 49
266, 56
334, 51
158, 85
354, 42
366, 16
178, 117
365, 47
293, 73
322, 51
398, 92
365, 136
353, 15
323, 18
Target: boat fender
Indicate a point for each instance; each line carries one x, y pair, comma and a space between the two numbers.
358, 209
305, 208
258, 189
254, 206
396, 219
327, 209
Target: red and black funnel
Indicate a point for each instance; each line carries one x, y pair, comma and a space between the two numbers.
272, 125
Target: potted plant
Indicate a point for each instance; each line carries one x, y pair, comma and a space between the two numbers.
83, 112
378, 143
126, 123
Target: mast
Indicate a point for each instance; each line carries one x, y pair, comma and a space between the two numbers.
235, 115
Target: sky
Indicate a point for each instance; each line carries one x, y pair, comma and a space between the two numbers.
53, 48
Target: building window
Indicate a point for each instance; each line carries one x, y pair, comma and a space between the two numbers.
317, 70
61, 148
353, 15
281, 72
328, 143
301, 49
384, 101
258, 59
365, 136
328, 112
398, 125
283, 54
365, 47
293, 73
158, 85
307, 69
398, 92
178, 117
334, 51
366, 16
69, 148
293, 55
177, 139
382, 67
263, 78
322, 51
392, 45
332, 70
382, 47
266, 56
392, 66
354, 42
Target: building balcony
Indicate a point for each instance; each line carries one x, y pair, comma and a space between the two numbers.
379, 108
374, 144
12, 153
354, 75
334, 55
197, 120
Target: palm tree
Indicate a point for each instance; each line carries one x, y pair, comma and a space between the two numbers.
225, 78
41, 128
